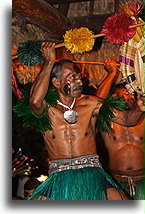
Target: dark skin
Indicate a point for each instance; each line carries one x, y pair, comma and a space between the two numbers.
126, 142
125, 118
69, 140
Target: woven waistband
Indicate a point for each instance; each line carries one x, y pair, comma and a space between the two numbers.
125, 176
74, 163
130, 178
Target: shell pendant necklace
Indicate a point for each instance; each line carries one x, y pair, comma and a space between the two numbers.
70, 116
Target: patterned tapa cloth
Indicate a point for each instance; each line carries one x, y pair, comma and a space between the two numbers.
132, 65
75, 179
132, 185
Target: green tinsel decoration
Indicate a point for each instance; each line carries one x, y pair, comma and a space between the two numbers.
106, 112
29, 53
40, 123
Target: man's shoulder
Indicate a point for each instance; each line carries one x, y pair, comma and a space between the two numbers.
88, 99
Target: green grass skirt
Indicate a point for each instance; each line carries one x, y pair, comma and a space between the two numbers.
88, 183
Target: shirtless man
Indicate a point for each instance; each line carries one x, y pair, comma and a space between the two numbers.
75, 171
125, 146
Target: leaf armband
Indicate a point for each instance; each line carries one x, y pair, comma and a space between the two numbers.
40, 123
106, 112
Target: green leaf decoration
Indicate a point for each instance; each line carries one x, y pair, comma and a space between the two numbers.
29, 53
106, 112
40, 123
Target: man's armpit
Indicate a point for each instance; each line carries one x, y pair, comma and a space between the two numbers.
96, 110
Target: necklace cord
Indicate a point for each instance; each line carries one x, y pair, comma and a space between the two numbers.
65, 106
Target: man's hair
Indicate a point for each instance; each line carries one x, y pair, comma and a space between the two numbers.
114, 87
57, 68
32, 183
118, 86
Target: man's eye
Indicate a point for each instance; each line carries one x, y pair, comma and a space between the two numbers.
72, 77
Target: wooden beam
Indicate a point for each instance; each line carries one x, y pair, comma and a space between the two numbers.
65, 1
94, 22
43, 15
63, 8
116, 6
91, 8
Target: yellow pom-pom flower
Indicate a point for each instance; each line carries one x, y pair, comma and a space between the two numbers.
79, 40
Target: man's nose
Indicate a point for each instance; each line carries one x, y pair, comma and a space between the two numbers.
78, 80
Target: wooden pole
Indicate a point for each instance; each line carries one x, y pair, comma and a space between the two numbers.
95, 36
101, 34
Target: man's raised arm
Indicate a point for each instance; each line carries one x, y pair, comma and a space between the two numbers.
111, 67
40, 86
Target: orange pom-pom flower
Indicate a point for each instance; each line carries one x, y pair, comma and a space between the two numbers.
131, 8
26, 74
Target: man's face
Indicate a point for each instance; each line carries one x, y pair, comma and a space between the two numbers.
70, 81
129, 98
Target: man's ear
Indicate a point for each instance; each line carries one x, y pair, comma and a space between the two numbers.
56, 82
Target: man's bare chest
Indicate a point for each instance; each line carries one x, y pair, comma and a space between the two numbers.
130, 135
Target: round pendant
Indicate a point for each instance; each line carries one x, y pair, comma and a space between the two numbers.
71, 116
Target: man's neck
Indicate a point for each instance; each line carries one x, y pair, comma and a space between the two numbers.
66, 100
